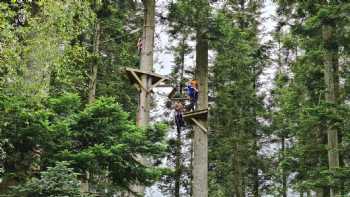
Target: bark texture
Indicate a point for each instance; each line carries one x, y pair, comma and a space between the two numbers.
330, 66
200, 139
94, 67
146, 64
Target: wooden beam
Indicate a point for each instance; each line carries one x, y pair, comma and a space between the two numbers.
165, 86
202, 114
138, 80
155, 77
200, 125
155, 84
179, 99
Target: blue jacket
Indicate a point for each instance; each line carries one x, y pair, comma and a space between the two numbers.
191, 92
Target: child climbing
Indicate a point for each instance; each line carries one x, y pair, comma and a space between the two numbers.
178, 115
192, 92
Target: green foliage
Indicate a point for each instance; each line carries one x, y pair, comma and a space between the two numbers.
36, 48
302, 113
45, 64
57, 181
98, 138
234, 146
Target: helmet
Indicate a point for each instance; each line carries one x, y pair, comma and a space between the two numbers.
194, 83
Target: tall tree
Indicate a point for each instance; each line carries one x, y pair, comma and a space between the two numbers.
313, 25
146, 65
200, 138
193, 17
238, 65
51, 124
146, 62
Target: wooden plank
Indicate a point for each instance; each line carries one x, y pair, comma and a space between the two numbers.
203, 114
179, 99
165, 86
155, 77
200, 125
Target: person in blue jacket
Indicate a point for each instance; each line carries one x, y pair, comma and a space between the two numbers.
192, 92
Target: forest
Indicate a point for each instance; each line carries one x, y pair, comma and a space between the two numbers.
174, 98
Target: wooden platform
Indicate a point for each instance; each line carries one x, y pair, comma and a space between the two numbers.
200, 114
194, 117
172, 95
179, 99
134, 76
165, 86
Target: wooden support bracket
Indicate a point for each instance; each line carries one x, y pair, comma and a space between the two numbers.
138, 80
157, 83
200, 125
134, 76
197, 115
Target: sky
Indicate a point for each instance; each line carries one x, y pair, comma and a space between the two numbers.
164, 59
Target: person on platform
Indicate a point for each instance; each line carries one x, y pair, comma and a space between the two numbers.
192, 92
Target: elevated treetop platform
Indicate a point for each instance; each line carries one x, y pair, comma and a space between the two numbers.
194, 117
179, 99
200, 114
172, 96
134, 76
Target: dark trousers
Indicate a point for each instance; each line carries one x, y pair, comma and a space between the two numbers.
192, 105
179, 120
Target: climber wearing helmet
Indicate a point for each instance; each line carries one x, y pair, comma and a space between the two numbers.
192, 92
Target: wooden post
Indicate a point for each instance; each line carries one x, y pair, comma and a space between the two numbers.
200, 139
330, 64
146, 64
94, 66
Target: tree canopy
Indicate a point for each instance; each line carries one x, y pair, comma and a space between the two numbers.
274, 76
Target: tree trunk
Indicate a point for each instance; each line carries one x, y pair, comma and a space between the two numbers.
256, 181
178, 168
319, 192
200, 139
283, 138
255, 147
191, 168
284, 174
94, 66
6, 184
309, 194
237, 171
84, 187
330, 82
146, 64
182, 67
